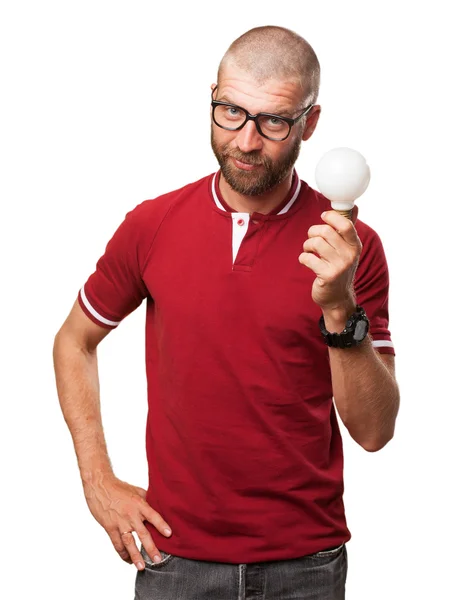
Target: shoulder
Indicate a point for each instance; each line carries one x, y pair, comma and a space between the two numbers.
138, 230
153, 211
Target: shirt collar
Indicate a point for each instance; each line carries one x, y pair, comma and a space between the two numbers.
281, 208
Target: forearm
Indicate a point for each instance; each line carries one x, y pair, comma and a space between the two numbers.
77, 381
365, 391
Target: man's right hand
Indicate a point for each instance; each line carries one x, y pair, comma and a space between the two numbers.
119, 507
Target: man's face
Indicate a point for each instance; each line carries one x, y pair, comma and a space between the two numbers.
251, 164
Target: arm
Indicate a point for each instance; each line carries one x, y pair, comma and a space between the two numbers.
118, 506
364, 386
76, 371
113, 291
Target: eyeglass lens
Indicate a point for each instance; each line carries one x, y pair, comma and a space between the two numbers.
231, 117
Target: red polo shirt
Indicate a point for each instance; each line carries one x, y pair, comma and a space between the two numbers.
243, 445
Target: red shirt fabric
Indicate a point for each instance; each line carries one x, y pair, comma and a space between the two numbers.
244, 450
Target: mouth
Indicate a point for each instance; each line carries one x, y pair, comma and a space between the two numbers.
244, 166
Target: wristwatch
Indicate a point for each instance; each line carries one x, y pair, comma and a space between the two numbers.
357, 327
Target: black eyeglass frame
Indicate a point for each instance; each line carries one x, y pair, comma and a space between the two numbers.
250, 117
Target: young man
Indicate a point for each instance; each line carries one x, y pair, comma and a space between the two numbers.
239, 269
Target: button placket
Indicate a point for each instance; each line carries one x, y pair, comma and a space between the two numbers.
239, 229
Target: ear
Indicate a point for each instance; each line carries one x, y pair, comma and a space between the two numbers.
213, 86
312, 120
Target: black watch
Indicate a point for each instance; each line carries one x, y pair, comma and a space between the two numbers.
357, 327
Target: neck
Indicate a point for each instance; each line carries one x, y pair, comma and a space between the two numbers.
263, 204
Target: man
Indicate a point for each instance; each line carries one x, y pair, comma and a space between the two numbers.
243, 445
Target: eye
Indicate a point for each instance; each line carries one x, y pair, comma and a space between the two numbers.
274, 124
232, 111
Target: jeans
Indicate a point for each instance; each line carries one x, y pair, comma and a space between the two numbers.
319, 576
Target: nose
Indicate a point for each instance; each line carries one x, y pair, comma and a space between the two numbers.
248, 138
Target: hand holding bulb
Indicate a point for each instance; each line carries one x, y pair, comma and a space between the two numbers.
332, 250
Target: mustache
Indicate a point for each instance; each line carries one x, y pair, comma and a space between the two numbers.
249, 159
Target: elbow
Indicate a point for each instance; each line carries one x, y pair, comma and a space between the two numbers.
374, 448
377, 444
383, 436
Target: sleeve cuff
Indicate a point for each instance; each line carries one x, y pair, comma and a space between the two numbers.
383, 346
92, 313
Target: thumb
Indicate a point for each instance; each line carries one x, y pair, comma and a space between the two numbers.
354, 213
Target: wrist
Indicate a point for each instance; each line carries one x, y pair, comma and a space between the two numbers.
94, 474
336, 316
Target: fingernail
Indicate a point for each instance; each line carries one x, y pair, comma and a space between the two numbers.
140, 565
156, 558
167, 531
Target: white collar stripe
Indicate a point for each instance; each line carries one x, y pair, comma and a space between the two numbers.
284, 210
294, 198
214, 193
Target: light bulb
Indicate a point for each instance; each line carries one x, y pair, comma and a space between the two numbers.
342, 175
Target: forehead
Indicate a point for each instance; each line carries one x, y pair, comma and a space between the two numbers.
273, 95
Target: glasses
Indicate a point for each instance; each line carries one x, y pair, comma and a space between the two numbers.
233, 118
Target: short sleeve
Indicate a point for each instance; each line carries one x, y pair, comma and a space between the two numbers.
371, 286
116, 288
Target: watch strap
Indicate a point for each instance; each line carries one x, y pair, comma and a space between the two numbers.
345, 339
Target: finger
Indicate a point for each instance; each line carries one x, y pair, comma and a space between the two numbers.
342, 225
131, 547
119, 546
125, 556
152, 516
142, 493
148, 543
317, 265
331, 236
321, 247
327, 233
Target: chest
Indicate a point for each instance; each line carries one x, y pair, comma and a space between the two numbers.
235, 275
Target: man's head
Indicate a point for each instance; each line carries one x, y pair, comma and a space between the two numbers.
270, 70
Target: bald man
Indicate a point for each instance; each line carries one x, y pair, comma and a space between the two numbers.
263, 306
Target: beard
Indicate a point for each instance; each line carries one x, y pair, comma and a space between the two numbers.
258, 181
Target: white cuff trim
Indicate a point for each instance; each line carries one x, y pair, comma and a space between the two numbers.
93, 311
379, 343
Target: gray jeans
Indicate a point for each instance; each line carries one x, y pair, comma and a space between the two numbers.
319, 576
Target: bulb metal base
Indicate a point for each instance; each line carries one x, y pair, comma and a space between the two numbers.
345, 213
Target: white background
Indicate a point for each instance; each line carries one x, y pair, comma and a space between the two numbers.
88, 90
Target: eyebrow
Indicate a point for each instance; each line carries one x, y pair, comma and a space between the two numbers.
280, 113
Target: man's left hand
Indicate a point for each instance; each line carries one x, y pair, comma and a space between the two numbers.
338, 248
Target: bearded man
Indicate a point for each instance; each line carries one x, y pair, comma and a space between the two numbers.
263, 306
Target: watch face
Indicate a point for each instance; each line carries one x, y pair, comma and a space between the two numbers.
361, 330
